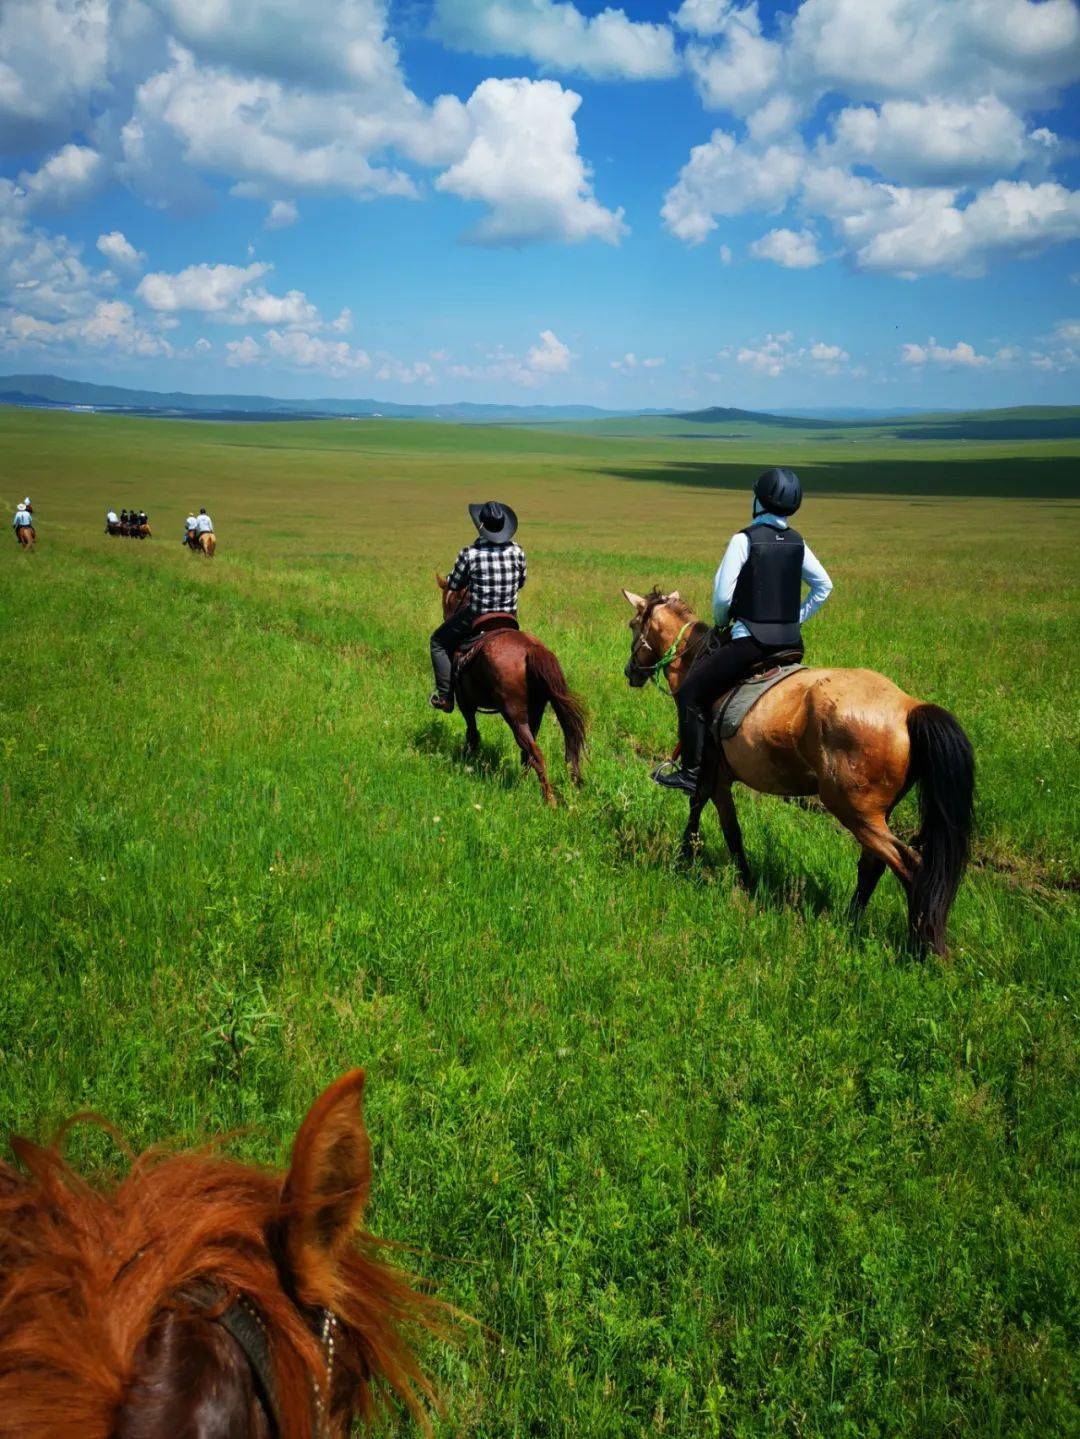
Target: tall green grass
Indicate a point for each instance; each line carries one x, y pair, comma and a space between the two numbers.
702, 1163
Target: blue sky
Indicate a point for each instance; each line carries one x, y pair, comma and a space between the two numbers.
713, 202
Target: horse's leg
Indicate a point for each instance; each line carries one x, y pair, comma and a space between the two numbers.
710, 766
468, 714
868, 822
517, 717
871, 868
729, 823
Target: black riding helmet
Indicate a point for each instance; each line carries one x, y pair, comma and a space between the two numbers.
778, 491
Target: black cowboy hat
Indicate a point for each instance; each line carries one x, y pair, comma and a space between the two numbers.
495, 522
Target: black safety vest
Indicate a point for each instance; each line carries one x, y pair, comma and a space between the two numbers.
768, 594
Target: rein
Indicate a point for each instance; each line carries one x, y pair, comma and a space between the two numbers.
667, 659
244, 1324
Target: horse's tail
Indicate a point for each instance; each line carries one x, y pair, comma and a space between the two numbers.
545, 674
943, 765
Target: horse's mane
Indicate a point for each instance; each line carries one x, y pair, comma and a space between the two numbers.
85, 1272
679, 607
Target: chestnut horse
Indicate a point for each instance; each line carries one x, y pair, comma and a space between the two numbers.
204, 1298
852, 738
207, 542
516, 676
27, 536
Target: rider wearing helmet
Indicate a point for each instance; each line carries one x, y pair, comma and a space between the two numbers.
757, 601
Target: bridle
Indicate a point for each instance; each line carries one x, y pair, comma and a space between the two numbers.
665, 661
243, 1322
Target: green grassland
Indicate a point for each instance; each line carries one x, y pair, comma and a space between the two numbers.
702, 1163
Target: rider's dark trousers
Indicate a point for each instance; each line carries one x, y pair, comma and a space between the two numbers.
446, 639
709, 678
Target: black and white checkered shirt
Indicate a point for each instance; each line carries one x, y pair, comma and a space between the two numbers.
493, 575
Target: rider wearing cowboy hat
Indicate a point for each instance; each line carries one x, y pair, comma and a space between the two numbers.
757, 601
493, 571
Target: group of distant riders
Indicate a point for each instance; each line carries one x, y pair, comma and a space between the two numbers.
132, 524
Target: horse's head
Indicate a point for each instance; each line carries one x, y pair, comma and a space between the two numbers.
654, 625
452, 600
203, 1297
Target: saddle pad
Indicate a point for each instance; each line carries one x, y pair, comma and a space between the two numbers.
730, 712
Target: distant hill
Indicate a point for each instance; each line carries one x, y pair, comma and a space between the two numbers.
48, 390
718, 415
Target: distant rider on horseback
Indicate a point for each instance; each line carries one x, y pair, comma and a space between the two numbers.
23, 519
758, 605
493, 571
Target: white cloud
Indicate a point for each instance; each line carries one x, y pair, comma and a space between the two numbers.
960, 355
723, 177
247, 351
937, 142
725, 254
550, 356
936, 100
523, 162
263, 134
1021, 49
116, 248
340, 43
419, 372
202, 345
557, 36
913, 231
111, 325
703, 17
73, 173
53, 59
654, 363
343, 323
785, 247
737, 73
304, 351
281, 214
259, 307
768, 358
208, 288
778, 353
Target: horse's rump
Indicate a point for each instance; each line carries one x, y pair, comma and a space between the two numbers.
207, 542
818, 718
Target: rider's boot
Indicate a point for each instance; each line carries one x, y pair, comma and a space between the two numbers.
692, 731
442, 702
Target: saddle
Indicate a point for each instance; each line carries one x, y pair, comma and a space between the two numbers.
482, 626
731, 708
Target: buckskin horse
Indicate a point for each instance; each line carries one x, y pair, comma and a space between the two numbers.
851, 737
207, 543
204, 1298
511, 673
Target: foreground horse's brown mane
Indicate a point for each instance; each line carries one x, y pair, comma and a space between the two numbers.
85, 1274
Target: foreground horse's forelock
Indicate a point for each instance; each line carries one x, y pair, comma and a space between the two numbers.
110, 1300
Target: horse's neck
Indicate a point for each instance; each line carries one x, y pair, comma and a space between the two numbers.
695, 638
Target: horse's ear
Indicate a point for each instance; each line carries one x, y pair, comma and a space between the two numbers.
440, 581
328, 1182
638, 601
674, 595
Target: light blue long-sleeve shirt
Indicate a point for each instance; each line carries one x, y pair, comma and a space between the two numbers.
737, 554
